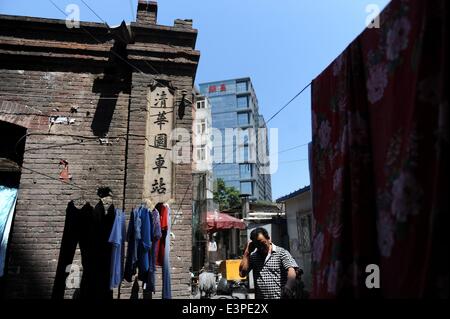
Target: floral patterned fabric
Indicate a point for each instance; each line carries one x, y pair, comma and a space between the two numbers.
380, 174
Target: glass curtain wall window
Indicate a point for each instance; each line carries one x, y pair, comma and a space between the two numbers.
244, 155
243, 118
245, 170
242, 102
247, 188
241, 87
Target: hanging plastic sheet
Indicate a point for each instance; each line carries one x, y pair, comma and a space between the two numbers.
8, 199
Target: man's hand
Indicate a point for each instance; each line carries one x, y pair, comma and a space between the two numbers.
295, 288
249, 248
244, 266
289, 290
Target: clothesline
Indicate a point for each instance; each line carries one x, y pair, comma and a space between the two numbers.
287, 104
101, 234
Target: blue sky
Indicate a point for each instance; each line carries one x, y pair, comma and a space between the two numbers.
281, 44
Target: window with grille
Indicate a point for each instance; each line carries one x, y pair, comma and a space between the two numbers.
304, 231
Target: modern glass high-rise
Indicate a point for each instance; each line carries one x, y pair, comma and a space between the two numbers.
234, 105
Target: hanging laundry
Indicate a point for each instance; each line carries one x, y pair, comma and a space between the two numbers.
149, 246
163, 249
156, 225
138, 242
167, 287
117, 239
145, 244
161, 243
64, 175
130, 263
137, 233
90, 227
380, 152
156, 235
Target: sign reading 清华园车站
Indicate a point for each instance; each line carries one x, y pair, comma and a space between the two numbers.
160, 123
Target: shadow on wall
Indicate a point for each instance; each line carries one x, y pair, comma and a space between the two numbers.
20, 282
116, 79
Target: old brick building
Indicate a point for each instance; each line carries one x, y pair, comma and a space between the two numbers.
81, 95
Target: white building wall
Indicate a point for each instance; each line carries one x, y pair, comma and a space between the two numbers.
297, 208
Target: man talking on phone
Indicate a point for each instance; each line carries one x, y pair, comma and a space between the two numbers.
273, 267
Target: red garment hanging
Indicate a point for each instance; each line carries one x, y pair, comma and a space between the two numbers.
161, 243
380, 158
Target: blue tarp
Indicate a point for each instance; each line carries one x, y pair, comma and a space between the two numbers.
8, 197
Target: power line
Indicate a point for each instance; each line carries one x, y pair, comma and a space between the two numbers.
293, 148
297, 95
118, 55
237, 146
77, 98
156, 71
51, 177
294, 161
95, 13
52, 97
91, 138
180, 206
65, 135
68, 97
182, 201
146, 62
153, 68
112, 51
106, 24
43, 174
142, 136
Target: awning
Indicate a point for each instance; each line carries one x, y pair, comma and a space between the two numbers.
217, 221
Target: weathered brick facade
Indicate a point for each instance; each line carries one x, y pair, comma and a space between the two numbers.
99, 78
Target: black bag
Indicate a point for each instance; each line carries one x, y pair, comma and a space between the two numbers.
295, 289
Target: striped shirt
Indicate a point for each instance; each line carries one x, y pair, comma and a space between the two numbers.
270, 272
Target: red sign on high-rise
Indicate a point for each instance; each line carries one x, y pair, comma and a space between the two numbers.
214, 88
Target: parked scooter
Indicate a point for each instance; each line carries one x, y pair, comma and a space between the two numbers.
230, 289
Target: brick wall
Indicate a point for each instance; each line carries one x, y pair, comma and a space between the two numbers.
76, 78
42, 199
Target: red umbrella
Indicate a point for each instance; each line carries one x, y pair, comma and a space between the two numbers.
220, 221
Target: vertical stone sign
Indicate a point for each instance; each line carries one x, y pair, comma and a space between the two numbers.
158, 186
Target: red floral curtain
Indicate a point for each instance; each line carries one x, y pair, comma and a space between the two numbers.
380, 176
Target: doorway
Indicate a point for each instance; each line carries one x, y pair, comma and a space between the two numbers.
12, 148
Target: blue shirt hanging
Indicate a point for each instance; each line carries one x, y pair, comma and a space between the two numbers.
117, 239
